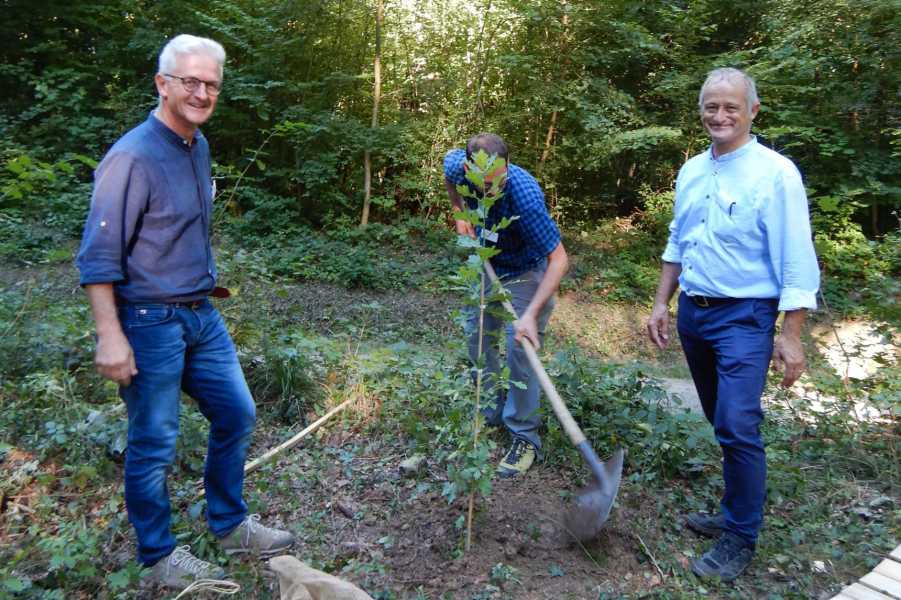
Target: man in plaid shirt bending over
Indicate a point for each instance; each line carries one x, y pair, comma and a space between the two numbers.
531, 264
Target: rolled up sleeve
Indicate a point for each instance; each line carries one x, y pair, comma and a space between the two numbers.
790, 242
672, 253
121, 193
453, 167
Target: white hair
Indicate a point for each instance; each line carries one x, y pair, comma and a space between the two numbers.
732, 76
190, 44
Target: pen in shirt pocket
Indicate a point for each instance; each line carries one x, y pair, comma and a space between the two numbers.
731, 205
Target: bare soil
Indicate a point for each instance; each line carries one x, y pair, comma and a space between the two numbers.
370, 514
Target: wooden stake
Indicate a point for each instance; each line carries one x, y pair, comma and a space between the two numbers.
272, 453
475, 429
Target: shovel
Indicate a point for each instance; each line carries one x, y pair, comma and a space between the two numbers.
591, 506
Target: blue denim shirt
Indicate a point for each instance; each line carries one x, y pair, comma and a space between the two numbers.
148, 229
741, 228
530, 238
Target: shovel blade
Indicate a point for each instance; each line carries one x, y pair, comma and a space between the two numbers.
592, 505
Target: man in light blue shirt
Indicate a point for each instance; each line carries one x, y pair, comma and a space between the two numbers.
740, 249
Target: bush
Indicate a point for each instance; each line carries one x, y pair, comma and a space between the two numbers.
859, 275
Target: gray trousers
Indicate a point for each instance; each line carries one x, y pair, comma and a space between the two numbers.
518, 408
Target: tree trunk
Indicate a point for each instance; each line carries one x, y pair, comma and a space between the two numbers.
551, 129
480, 60
376, 96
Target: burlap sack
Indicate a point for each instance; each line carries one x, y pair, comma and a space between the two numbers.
297, 581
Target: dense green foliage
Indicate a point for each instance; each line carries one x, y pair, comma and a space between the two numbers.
597, 99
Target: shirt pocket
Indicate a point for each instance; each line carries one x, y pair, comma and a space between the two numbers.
734, 223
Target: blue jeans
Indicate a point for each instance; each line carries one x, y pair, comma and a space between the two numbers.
182, 349
518, 407
728, 347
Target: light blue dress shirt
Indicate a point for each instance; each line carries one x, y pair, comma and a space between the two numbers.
741, 228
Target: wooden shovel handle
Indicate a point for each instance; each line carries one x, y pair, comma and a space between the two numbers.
569, 424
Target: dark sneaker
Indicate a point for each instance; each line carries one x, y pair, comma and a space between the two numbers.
707, 525
518, 459
726, 560
250, 537
181, 568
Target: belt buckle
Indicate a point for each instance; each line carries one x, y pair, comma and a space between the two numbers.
702, 301
192, 305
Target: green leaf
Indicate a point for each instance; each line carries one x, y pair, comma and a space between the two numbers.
119, 580
486, 252
16, 584
458, 524
481, 159
196, 510
86, 160
476, 178
464, 241
828, 203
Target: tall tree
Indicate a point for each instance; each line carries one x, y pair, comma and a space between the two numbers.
376, 96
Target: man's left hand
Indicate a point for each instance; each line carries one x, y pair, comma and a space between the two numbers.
527, 326
788, 356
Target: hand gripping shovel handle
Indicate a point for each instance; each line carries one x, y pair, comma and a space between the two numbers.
607, 474
569, 424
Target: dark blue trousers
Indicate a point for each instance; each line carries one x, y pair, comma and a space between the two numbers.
728, 347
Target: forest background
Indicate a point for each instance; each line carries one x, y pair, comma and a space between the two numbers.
330, 106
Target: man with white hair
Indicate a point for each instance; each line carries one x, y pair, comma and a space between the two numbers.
147, 266
740, 249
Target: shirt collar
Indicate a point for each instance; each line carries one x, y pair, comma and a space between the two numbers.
744, 149
169, 135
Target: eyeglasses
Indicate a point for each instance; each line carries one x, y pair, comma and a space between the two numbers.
191, 84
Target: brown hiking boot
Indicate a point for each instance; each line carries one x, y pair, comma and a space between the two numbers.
253, 538
181, 568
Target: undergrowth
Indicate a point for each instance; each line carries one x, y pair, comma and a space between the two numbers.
833, 493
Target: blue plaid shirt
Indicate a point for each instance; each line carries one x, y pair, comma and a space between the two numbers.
529, 239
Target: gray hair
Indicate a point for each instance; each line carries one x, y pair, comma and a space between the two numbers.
732, 76
190, 44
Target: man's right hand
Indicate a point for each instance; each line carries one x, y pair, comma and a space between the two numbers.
114, 359
658, 325
465, 228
